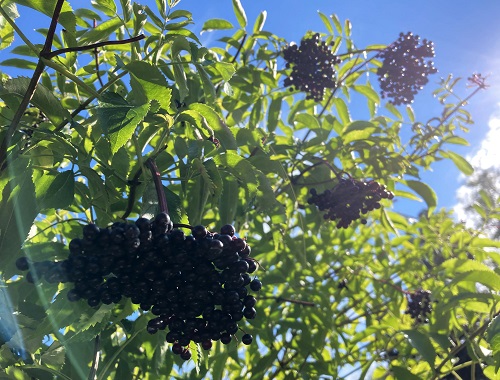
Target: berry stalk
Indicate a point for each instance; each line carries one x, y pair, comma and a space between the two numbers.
162, 199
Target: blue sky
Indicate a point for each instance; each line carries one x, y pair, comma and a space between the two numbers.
466, 37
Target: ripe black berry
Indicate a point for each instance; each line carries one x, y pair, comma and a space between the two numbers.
247, 339
255, 285
22, 263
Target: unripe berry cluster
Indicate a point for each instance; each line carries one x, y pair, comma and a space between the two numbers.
313, 67
349, 199
405, 68
419, 305
197, 285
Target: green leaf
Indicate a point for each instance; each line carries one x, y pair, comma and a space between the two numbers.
119, 123
67, 19
493, 334
55, 356
100, 32
309, 121
13, 90
229, 200
240, 13
425, 191
367, 91
326, 22
108, 7
402, 373
215, 122
55, 190
208, 86
6, 30
152, 81
358, 130
216, 24
225, 69
422, 344
259, 22
461, 163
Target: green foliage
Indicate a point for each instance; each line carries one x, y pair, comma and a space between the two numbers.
234, 146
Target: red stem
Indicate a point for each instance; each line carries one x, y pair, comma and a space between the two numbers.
162, 199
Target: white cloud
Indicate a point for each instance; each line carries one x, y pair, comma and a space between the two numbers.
486, 156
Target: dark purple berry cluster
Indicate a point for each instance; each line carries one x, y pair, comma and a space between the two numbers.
349, 199
313, 67
419, 305
405, 68
197, 286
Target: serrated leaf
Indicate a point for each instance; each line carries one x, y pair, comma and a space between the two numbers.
54, 356
153, 83
425, 191
119, 123
215, 122
422, 344
216, 24
225, 69
228, 204
55, 190
240, 13
367, 91
493, 334
108, 7
43, 98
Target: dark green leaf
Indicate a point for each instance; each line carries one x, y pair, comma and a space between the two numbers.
422, 344
153, 83
43, 99
67, 19
55, 190
493, 334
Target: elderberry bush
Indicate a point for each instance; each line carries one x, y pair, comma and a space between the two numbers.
405, 68
197, 286
349, 199
419, 305
313, 67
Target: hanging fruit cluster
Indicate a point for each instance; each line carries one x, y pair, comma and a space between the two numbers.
405, 68
313, 67
349, 199
198, 285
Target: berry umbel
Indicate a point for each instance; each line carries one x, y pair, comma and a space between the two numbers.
419, 305
197, 286
313, 67
405, 68
349, 199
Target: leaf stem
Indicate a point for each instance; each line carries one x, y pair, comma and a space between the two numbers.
160, 193
282, 299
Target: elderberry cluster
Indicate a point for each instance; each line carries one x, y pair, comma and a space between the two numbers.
349, 199
405, 68
419, 305
313, 67
197, 286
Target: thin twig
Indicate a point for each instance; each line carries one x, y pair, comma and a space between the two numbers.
93, 46
239, 48
32, 85
282, 299
133, 183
